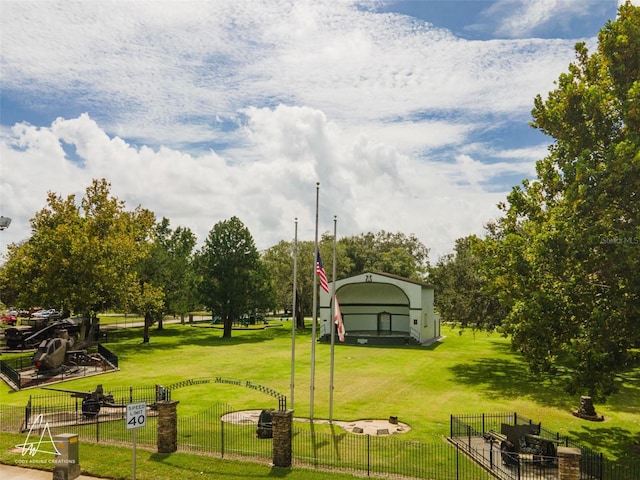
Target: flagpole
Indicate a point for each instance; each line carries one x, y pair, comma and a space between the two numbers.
315, 312
331, 320
294, 318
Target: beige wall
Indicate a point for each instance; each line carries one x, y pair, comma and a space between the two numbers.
364, 296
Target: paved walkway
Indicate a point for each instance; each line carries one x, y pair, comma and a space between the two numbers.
9, 472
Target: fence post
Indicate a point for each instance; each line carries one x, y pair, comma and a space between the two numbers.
222, 438
368, 455
167, 426
27, 414
600, 466
282, 422
451, 426
569, 463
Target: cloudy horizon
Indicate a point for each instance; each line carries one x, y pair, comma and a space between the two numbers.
412, 115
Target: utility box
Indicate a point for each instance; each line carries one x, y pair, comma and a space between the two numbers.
67, 463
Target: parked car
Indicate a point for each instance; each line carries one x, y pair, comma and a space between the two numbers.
9, 319
49, 314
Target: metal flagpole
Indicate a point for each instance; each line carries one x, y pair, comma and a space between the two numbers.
294, 318
315, 311
331, 321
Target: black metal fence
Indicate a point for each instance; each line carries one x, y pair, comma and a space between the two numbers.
10, 369
224, 431
63, 413
207, 432
19, 372
221, 430
384, 456
65, 408
108, 355
467, 431
11, 418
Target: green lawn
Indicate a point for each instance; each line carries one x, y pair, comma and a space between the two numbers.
117, 462
464, 373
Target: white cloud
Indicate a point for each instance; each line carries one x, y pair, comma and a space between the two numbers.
367, 183
203, 110
468, 170
163, 75
521, 18
532, 14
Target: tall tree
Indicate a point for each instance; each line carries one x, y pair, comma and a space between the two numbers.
463, 293
279, 260
394, 253
172, 261
233, 280
567, 251
80, 259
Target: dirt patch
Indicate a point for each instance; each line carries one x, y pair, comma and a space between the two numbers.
375, 427
242, 417
359, 427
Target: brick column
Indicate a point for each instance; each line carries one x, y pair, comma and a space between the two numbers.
167, 426
282, 421
569, 463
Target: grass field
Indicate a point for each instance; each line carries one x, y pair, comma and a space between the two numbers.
116, 462
422, 386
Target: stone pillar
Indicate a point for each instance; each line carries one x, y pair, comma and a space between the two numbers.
282, 421
167, 426
569, 463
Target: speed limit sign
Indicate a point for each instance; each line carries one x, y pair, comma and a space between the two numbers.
136, 415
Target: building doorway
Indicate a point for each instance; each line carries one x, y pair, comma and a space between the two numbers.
384, 322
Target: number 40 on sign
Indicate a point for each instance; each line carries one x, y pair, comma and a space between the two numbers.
136, 415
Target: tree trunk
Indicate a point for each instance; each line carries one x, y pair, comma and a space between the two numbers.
228, 324
147, 322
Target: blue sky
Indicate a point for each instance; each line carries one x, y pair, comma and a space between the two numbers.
413, 115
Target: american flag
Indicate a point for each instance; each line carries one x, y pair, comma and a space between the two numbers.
337, 319
321, 274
